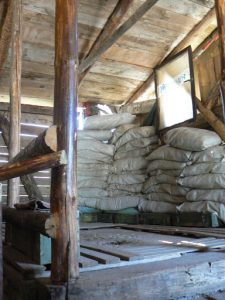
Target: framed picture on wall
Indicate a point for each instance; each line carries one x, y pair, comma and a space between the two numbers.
175, 90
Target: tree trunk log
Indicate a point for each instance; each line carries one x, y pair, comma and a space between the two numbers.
15, 96
38, 163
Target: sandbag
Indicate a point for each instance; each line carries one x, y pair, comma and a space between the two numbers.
192, 139
204, 206
130, 188
108, 121
93, 173
164, 165
204, 168
92, 183
173, 190
164, 197
135, 172
116, 193
100, 135
86, 156
138, 144
127, 164
119, 131
135, 133
94, 167
217, 195
95, 146
118, 203
92, 192
135, 153
157, 206
212, 154
175, 173
205, 181
88, 202
99, 178
126, 179
153, 180
169, 153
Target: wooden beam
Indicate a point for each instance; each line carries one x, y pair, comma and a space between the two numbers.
65, 251
183, 44
111, 25
220, 13
212, 119
29, 109
28, 181
93, 57
35, 164
36, 221
6, 32
15, 97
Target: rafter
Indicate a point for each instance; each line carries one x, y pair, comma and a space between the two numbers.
91, 59
113, 22
183, 44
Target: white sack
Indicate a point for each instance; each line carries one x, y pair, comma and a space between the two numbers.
100, 135
118, 203
120, 131
212, 154
205, 181
92, 183
93, 173
157, 206
175, 173
153, 180
116, 193
164, 197
95, 146
138, 144
217, 195
108, 121
169, 153
130, 188
135, 133
126, 179
174, 190
204, 168
165, 165
128, 164
192, 139
94, 167
86, 156
84, 178
92, 192
135, 153
204, 206
88, 202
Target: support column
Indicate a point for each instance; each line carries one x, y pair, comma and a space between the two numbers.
63, 188
15, 95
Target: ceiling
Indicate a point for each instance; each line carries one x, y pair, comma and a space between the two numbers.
124, 67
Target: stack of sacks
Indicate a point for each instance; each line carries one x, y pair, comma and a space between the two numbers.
132, 144
205, 173
95, 157
165, 166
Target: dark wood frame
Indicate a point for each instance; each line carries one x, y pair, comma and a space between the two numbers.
169, 60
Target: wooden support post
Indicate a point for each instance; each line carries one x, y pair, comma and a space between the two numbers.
30, 220
91, 59
63, 186
111, 25
38, 163
28, 181
15, 97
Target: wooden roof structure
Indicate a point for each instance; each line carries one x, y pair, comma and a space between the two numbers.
120, 71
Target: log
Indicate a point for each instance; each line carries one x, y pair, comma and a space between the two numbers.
183, 44
32, 220
65, 264
28, 181
111, 25
6, 32
92, 58
212, 119
45, 143
27, 166
15, 96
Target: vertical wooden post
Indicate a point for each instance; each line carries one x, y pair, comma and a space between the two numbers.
63, 187
15, 95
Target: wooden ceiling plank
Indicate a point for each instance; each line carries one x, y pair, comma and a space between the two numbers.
111, 25
117, 34
184, 43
